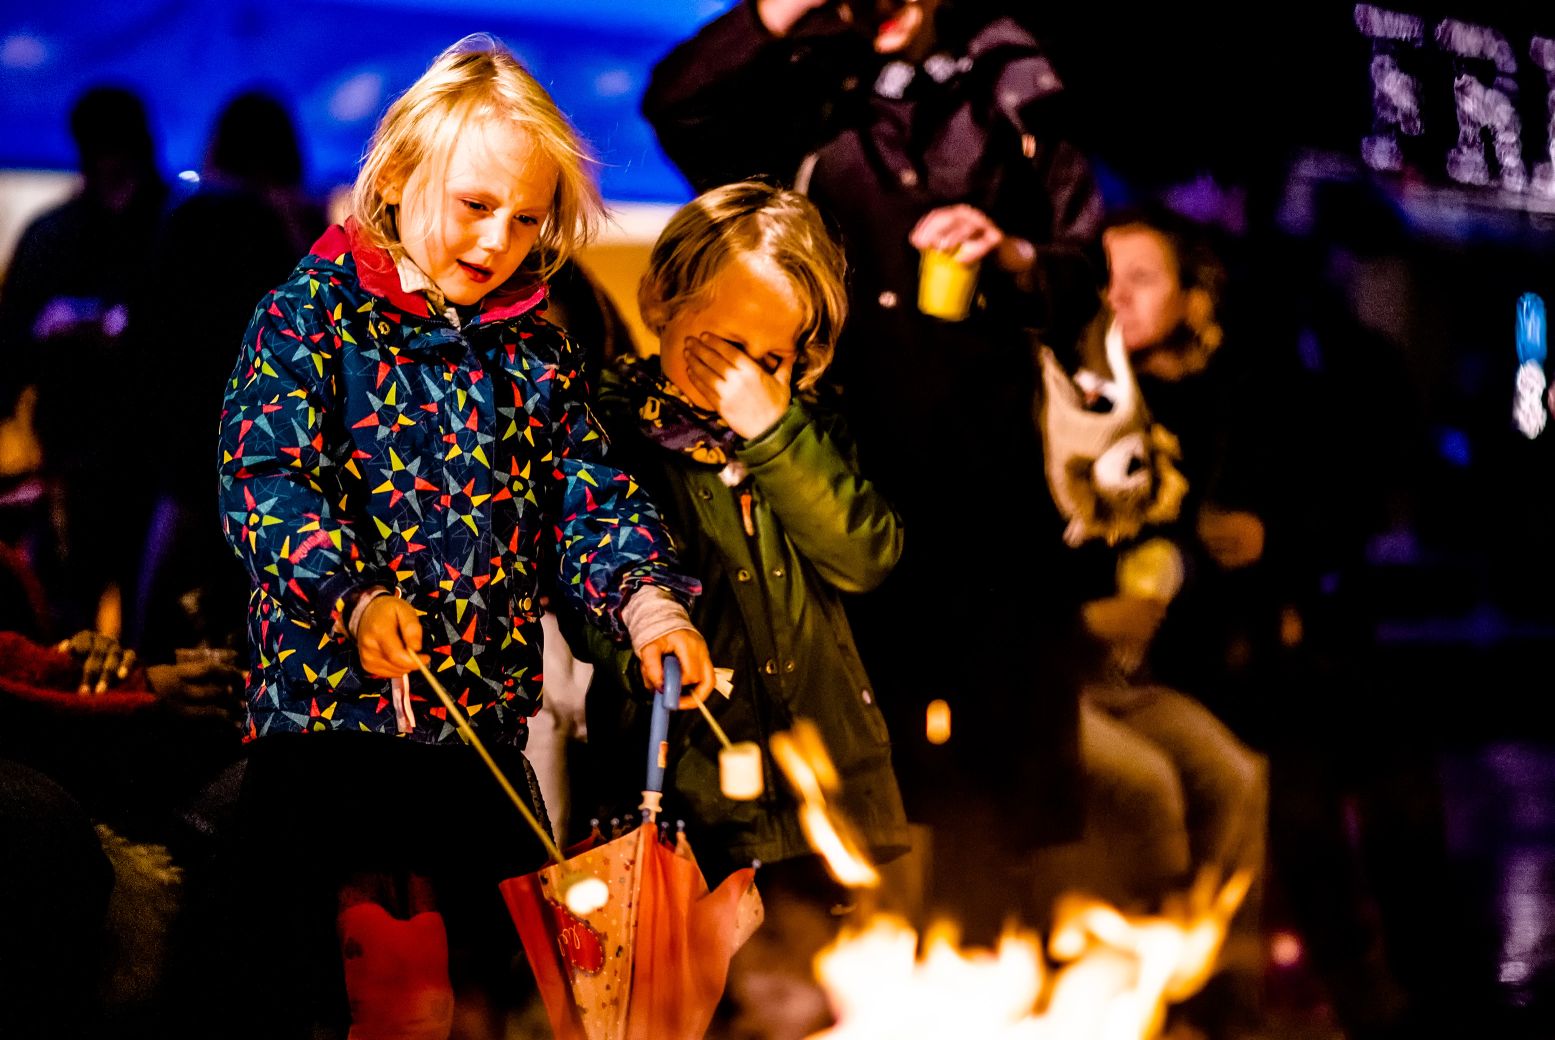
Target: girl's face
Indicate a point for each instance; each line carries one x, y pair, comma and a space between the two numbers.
751, 305
471, 229
1144, 288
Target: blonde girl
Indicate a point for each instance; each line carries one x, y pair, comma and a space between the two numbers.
407, 462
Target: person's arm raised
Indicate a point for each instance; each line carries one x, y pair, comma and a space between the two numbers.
737, 101
780, 16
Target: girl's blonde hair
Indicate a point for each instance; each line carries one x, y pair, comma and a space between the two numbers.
750, 218
474, 80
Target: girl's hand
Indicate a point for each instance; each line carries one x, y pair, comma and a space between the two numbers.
388, 638
749, 395
696, 665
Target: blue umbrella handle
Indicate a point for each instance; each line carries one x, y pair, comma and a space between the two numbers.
664, 702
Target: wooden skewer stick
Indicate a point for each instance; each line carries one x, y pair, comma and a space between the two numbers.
723, 738
470, 738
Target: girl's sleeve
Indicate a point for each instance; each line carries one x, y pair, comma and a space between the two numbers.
835, 518
610, 538
283, 509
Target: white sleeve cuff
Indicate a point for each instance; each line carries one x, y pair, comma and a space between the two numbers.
651, 612
361, 605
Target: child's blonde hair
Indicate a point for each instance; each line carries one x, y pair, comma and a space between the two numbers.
477, 79
750, 218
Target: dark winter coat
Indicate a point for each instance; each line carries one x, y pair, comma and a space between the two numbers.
981, 121
940, 410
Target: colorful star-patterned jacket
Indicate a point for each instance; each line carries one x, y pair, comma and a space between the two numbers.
366, 440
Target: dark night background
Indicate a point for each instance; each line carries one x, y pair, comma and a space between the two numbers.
1375, 308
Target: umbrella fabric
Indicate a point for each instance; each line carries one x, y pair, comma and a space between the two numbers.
652, 962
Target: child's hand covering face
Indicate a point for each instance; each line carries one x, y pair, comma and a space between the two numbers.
749, 396
735, 354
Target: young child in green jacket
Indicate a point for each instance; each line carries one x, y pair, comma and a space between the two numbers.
759, 485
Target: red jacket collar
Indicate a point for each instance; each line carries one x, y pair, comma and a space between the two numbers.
376, 271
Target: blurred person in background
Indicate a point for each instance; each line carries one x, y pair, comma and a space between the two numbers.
255, 150
98, 838
1164, 297
918, 125
26, 528
251, 208
1138, 497
64, 319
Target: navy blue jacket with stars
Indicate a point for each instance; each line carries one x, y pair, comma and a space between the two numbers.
366, 440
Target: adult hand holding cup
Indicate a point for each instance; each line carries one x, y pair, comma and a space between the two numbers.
953, 241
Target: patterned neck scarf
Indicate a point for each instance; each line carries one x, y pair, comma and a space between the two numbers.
668, 419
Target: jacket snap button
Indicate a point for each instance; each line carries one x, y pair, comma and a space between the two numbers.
704, 494
742, 575
888, 299
788, 666
777, 572
770, 667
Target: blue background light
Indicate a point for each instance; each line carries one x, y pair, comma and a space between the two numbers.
336, 63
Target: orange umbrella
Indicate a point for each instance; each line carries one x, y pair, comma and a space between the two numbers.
651, 962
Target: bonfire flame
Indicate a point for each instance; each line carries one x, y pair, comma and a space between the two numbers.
1115, 974
801, 755
1111, 977
879, 988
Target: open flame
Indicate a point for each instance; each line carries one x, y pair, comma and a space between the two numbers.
1107, 975
801, 755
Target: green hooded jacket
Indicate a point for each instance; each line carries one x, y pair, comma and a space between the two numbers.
772, 610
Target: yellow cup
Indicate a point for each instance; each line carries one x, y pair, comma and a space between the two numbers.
1153, 570
945, 285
